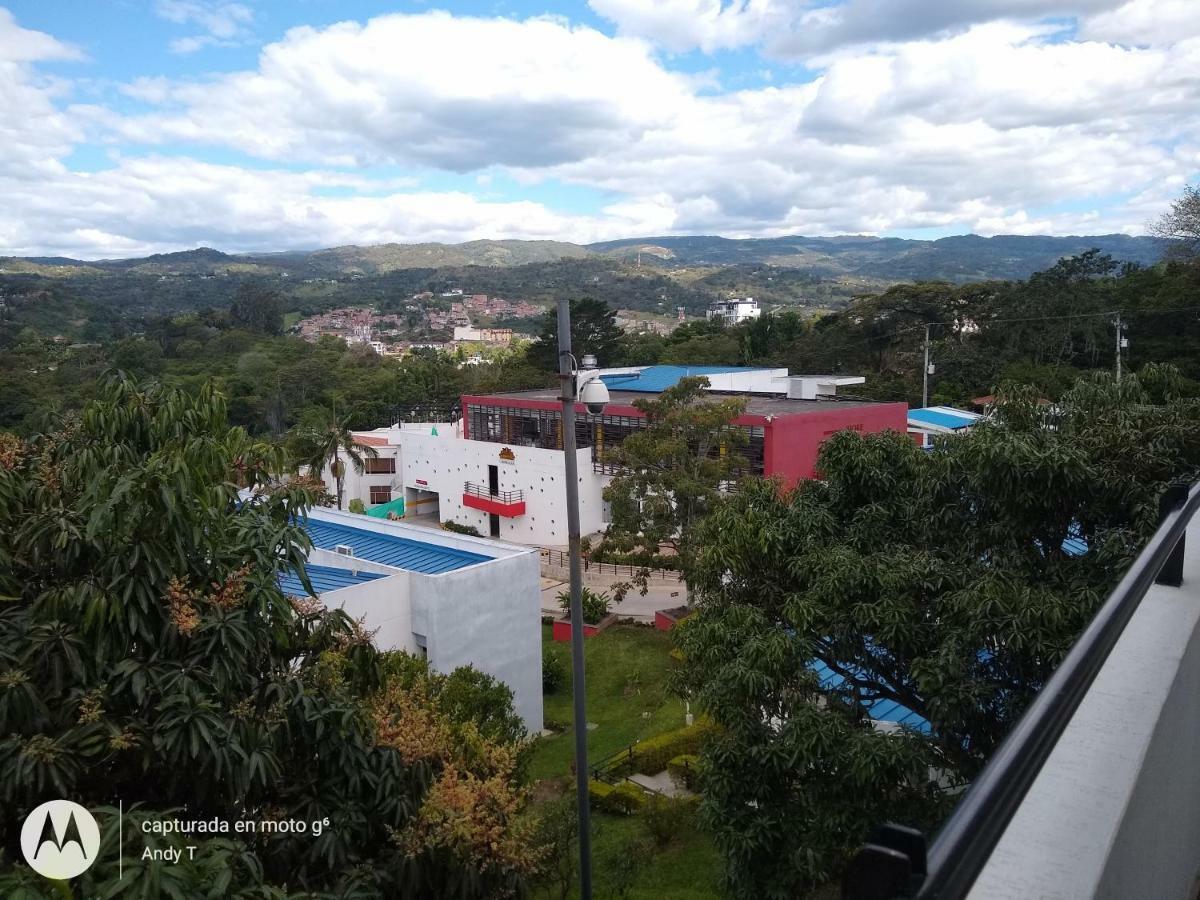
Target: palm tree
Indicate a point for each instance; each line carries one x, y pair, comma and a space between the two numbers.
326, 444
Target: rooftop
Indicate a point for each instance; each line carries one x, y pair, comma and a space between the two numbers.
756, 404
656, 379
324, 579
946, 417
406, 553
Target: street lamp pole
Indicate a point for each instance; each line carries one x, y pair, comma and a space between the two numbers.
567, 381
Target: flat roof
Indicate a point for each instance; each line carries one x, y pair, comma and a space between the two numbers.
656, 379
756, 404
391, 550
943, 417
324, 579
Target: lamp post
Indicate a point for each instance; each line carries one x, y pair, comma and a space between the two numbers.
588, 387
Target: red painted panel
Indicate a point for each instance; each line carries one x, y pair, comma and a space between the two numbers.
486, 504
793, 442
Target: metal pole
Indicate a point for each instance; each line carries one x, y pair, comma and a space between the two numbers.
925, 372
567, 382
1118, 346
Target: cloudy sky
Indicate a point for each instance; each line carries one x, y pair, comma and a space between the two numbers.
134, 126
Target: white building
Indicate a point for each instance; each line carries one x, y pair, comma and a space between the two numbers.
734, 310
455, 599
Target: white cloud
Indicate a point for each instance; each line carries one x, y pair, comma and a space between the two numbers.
806, 28
1145, 22
979, 129
221, 23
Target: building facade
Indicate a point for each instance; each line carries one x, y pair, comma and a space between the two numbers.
733, 311
453, 599
500, 469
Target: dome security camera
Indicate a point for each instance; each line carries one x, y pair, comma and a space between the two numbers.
594, 396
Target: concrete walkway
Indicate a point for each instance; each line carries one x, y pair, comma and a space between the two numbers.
635, 606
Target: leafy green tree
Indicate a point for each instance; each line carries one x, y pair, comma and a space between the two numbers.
147, 654
257, 308
593, 330
672, 471
325, 444
951, 583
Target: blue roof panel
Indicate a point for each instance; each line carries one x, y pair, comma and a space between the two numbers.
942, 419
656, 379
879, 710
325, 579
391, 550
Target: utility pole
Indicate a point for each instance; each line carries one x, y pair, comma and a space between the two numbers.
566, 378
1119, 343
925, 372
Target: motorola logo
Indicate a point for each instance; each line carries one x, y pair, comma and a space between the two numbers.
60, 839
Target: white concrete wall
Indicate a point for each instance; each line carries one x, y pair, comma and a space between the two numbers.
1115, 812
488, 616
446, 464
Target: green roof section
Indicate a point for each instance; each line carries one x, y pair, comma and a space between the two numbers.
381, 510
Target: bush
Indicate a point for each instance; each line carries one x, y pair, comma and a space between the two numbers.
653, 754
684, 770
595, 605
554, 671
357, 506
622, 799
451, 525
665, 818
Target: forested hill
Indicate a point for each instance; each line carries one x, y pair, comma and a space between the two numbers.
960, 258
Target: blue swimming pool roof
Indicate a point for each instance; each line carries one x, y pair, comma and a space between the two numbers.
656, 379
390, 549
879, 710
324, 579
943, 417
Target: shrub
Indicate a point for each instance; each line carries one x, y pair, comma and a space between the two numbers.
652, 755
665, 818
458, 528
554, 671
622, 799
357, 506
684, 770
595, 605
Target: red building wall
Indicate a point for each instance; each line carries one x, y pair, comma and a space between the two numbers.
791, 443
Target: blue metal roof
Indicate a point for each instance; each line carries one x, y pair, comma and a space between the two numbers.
389, 549
325, 579
879, 710
943, 417
656, 379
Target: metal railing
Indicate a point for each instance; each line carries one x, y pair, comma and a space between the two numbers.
561, 559
476, 490
895, 862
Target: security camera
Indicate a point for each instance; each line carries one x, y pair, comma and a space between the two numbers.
594, 396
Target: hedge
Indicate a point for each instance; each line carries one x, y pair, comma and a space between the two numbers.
684, 770
623, 799
652, 755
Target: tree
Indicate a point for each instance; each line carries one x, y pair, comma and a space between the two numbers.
593, 330
256, 308
672, 471
324, 444
1181, 226
147, 652
949, 583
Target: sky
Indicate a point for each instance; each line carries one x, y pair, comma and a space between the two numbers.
130, 127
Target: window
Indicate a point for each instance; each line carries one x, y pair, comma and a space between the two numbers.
380, 494
380, 465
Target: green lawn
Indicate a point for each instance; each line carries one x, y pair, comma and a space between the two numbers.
626, 668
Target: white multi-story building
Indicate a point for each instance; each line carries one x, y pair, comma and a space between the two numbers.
734, 310
455, 599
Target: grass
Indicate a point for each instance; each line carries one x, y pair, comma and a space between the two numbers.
627, 699
627, 668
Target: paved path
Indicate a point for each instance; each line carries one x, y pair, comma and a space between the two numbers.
635, 606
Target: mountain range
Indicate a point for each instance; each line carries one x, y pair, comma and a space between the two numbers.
959, 258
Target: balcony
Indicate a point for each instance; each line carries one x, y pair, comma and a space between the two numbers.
509, 504
1096, 792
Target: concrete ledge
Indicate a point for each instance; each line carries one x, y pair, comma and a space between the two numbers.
1115, 812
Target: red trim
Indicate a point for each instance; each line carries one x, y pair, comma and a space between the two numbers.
509, 510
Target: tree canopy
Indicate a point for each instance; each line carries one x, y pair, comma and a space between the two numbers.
148, 655
948, 583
